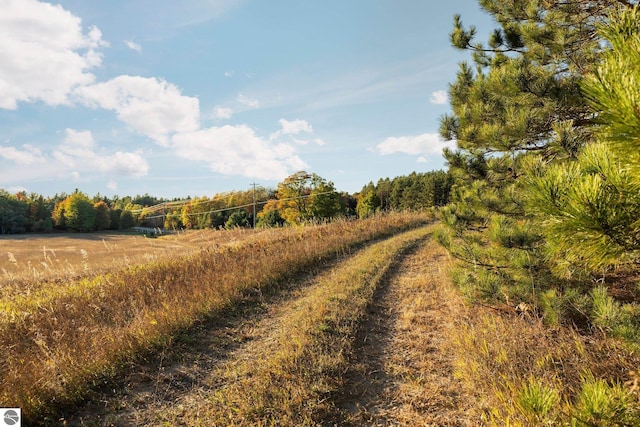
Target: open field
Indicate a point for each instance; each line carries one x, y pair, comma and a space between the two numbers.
63, 338
28, 260
350, 323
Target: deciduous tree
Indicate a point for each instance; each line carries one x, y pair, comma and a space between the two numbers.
79, 213
304, 196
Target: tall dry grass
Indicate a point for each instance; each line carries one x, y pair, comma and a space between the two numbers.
62, 341
302, 360
525, 373
29, 262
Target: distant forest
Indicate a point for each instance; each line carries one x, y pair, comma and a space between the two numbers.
300, 197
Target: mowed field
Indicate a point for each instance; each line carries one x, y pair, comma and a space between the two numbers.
26, 259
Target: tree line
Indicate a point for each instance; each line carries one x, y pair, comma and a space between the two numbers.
411, 192
299, 198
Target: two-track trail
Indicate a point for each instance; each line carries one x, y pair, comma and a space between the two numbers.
359, 341
402, 370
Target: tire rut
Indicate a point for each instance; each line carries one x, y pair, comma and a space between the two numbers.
183, 366
401, 372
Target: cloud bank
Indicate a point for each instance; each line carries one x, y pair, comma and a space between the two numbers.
47, 57
237, 150
78, 152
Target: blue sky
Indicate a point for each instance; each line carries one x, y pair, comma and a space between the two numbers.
199, 97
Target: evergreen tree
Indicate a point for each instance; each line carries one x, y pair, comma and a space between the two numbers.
238, 218
516, 112
590, 208
103, 216
127, 220
114, 219
14, 214
270, 218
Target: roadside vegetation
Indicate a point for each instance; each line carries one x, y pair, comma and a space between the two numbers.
543, 220
63, 340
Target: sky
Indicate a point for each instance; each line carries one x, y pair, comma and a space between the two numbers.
199, 97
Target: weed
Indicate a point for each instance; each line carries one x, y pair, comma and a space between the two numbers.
538, 401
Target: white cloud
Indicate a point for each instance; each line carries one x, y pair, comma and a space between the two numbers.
423, 145
319, 141
112, 185
29, 155
133, 45
249, 102
439, 97
124, 164
222, 113
237, 150
228, 74
44, 53
78, 152
295, 127
77, 144
152, 107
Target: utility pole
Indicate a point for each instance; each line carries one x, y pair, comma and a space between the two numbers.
254, 206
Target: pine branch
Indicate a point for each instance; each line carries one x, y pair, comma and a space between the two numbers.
477, 263
477, 48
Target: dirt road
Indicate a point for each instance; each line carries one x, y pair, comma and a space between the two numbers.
399, 371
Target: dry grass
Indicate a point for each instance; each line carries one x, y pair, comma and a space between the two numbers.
59, 341
402, 372
522, 372
29, 262
289, 375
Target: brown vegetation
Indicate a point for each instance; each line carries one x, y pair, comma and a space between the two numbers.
29, 261
401, 370
62, 339
522, 372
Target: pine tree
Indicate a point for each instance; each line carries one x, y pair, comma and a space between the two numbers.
590, 208
520, 103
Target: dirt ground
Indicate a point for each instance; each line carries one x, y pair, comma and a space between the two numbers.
400, 374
